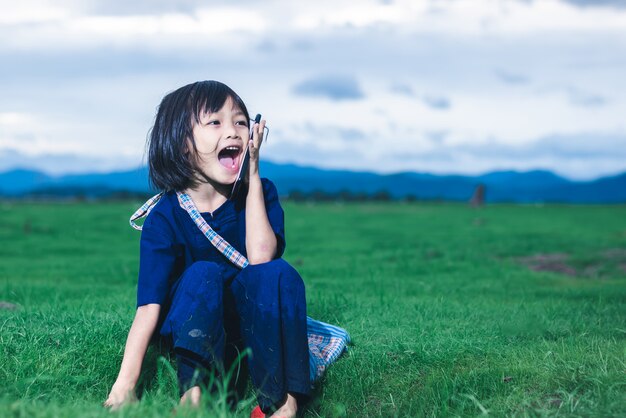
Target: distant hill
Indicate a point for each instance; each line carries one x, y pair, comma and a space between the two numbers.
501, 186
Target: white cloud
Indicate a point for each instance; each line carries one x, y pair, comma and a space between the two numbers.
476, 17
202, 23
34, 29
11, 120
86, 76
31, 12
72, 24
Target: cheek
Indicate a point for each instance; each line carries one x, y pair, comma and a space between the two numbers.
205, 145
244, 132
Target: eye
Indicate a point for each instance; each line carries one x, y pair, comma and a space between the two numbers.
242, 123
213, 122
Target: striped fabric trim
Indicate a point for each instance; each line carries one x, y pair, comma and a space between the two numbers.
186, 203
144, 210
326, 343
218, 242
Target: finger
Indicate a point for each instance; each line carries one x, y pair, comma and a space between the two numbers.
255, 134
261, 130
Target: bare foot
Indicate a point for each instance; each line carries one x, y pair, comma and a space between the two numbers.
191, 397
288, 409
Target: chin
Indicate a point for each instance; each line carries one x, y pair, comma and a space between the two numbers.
228, 180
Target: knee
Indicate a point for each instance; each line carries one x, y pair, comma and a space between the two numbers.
201, 274
277, 269
290, 279
203, 268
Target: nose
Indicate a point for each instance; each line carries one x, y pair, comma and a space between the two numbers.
231, 130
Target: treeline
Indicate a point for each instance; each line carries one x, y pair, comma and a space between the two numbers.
106, 194
79, 194
319, 195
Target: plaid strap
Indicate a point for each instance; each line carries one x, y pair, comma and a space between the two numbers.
218, 242
144, 210
186, 203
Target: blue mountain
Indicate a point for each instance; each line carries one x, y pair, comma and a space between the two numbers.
500, 186
20, 181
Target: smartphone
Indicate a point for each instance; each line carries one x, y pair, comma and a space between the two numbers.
243, 168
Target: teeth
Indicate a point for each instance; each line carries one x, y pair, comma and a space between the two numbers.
233, 148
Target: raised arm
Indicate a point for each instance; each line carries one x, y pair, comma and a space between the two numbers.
260, 238
141, 331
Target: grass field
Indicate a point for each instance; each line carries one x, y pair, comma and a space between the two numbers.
501, 311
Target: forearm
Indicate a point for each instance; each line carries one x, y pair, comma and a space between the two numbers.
144, 324
260, 238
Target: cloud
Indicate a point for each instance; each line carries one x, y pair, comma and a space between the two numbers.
403, 89
333, 87
429, 75
512, 78
64, 163
578, 156
584, 99
619, 4
311, 153
437, 102
266, 46
347, 134
437, 136
53, 29
121, 7
579, 146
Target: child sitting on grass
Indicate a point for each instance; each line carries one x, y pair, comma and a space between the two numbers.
197, 293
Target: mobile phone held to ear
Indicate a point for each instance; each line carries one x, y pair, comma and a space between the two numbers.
243, 168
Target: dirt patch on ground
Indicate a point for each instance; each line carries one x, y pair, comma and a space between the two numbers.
8, 306
605, 263
615, 254
555, 263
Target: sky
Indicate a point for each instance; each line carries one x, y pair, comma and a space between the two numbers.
439, 86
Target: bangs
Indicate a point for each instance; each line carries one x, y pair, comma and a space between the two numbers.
210, 96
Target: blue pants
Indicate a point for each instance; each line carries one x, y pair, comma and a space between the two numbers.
264, 304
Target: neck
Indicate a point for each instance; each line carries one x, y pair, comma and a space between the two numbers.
207, 197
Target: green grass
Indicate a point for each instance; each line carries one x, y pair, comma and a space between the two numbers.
446, 317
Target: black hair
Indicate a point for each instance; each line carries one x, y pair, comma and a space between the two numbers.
170, 165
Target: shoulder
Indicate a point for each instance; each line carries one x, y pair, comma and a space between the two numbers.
269, 187
161, 217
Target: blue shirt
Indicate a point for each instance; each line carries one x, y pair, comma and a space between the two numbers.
171, 241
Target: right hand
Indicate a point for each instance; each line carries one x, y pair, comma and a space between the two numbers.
122, 393
254, 145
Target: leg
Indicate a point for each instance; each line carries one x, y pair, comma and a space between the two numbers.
271, 304
195, 323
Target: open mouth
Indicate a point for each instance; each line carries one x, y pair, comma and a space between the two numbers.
229, 157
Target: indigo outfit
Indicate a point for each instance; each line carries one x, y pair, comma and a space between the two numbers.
206, 301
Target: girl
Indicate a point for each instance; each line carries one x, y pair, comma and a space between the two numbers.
191, 290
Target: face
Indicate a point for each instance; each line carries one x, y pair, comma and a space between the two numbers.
221, 138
